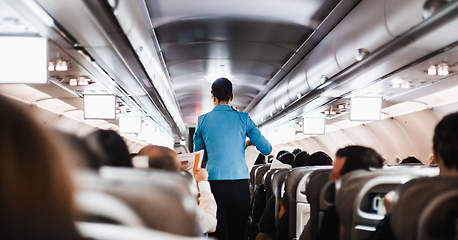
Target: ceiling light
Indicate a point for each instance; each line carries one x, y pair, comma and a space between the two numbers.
83, 81
73, 82
326, 112
61, 65
432, 70
341, 106
396, 85
442, 69
405, 85
50, 66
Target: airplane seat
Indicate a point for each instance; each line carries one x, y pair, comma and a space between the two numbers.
161, 200
317, 181
359, 197
100, 207
259, 175
430, 203
278, 188
252, 179
267, 180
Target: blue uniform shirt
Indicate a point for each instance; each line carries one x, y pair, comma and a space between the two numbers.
222, 134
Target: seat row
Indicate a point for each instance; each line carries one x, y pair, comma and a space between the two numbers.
424, 202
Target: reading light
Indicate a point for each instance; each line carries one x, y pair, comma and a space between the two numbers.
61, 65
50, 66
405, 85
341, 106
396, 81
396, 85
73, 82
442, 69
83, 81
323, 79
432, 70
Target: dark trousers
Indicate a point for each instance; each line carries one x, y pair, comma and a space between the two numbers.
233, 200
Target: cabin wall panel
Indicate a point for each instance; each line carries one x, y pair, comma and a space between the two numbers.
393, 139
446, 109
298, 82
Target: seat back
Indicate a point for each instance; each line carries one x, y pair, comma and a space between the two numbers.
423, 202
278, 189
259, 174
164, 202
317, 181
252, 179
268, 176
359, 197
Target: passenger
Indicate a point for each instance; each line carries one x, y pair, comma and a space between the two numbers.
270, 158
296, 151
281, 152
348, 159
162, 158
301, 159
35, 186
261, 159
222, 133
285, 161
110, 147
445, 154
411, 160
319, 159
166, 159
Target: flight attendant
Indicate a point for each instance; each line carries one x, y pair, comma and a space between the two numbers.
222, 134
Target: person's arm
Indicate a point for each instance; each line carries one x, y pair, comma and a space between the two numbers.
198, 140
258, 140
206, 212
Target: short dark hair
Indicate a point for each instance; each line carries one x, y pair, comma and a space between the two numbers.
319, 159
301, 159
160, 157
359, 157
222, 89
111, 148
411, 159
445, 140
280, 153
287, 158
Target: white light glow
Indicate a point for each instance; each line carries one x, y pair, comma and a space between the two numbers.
432, 71
314, 126
83, 81
99, 107
365, 108
396, 85
23, 60
442, 70
397, 81
73, 82
130, 124
405, 85
50, 66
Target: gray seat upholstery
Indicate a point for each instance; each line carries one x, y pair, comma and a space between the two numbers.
317, 182
357, 191
259, 174
421, 208
267, 181
252, 179
277, 186
163, 201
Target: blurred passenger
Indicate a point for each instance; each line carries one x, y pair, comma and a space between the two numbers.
261, 159
348, 159
296, 151
301, 159
411, 160
110, 147
285, 161
270, 158
319, 158
162, 158
35, 186
445, 154
281, 152
166, 159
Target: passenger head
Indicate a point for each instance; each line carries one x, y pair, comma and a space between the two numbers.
353, 158
319, 158
261, 159
445, 144
161, 158
280, 153
296, 151
222, 90
287, 158
35, 185
411, 160
301, 159
110, 147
